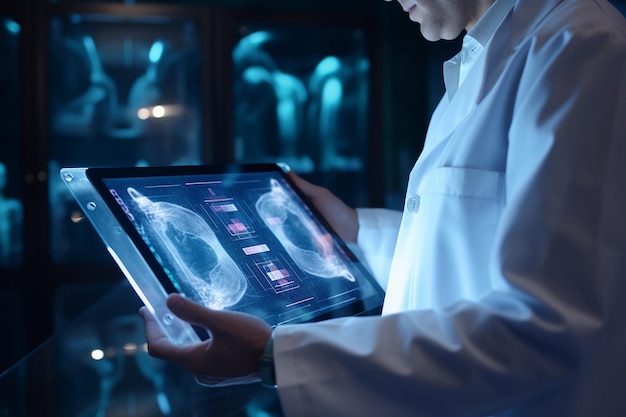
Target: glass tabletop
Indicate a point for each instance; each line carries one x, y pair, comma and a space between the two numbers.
97, 364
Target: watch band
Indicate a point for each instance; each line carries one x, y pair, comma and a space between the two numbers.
266, 364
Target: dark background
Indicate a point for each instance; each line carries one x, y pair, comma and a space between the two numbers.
37, 292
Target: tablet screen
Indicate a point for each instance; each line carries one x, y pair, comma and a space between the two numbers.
238, 238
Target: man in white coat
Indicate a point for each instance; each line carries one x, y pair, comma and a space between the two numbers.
506, 272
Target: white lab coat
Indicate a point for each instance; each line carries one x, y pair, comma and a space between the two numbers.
506, 291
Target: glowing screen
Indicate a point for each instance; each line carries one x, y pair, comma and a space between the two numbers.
244, 242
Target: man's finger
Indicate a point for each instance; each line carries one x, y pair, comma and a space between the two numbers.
305, 186
189, 311
159, 345
215, 321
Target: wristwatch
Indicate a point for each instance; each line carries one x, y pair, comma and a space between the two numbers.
266, 364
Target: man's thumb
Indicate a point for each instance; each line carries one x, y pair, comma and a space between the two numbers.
187, 310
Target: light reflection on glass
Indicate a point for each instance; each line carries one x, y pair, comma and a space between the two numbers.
97, 354
11, 26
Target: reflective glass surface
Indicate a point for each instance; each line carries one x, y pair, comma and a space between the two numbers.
11, 210
96, 365
122, 91
302, 97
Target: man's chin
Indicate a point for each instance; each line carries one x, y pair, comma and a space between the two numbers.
429, 35
435, 36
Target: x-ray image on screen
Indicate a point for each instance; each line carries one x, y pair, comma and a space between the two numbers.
305, 242
278, 275
187, 246
243, 242
234, 220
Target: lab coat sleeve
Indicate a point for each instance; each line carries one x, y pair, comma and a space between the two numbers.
556, 266
376, 240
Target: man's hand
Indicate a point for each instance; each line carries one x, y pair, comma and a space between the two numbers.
236, 343
341, 217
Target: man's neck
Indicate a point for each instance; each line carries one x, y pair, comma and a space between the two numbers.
481, 8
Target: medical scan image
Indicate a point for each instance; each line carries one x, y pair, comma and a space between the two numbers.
243, 242
189, 249
310, 247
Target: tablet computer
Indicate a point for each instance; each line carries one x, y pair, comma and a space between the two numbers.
233, 237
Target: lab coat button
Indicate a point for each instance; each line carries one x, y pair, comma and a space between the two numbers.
413, 204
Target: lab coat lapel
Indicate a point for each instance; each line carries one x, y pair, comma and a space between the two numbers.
452, 111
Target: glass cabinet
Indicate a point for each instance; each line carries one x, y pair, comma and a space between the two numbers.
11, 206
108, 83
124, 89
302, 95
145, 85
307, 107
